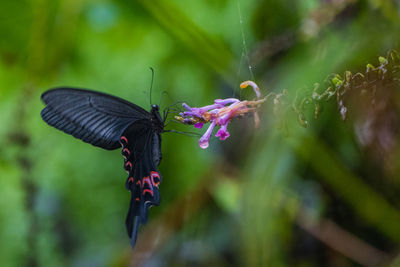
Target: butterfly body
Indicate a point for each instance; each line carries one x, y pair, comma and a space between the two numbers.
110, 122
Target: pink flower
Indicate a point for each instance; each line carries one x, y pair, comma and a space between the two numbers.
205, 139
198, 125
220, 114
223, 132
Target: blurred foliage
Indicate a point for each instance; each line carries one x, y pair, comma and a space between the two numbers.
326, 195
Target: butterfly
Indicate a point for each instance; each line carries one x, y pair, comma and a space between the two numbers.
110, 122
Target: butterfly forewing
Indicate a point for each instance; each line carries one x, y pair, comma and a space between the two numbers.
96, 118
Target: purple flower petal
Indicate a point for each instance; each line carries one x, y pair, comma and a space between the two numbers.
209, 107
188, 114
225, 118
186, 106
223, 132
226, 101
204, 140
199, 125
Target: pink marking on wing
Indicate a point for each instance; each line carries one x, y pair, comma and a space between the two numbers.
146, 180
153, 175
123, 138
131, 180
137, 199
128, 163
125, 150
148, 191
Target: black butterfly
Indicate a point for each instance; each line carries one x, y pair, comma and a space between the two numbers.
110, 122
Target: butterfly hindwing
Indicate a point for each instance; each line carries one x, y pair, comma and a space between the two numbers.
94, 117
141, 151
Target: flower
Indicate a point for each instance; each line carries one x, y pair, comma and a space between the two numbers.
198, 125
220, 114
223, 132
252, 84
205, 139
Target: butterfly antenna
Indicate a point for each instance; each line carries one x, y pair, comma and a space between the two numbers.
152, 80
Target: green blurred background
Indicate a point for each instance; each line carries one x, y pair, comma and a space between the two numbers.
327, 195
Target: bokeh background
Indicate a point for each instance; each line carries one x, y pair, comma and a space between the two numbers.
325, 195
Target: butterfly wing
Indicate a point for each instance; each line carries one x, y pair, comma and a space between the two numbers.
141, 150
94, 117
